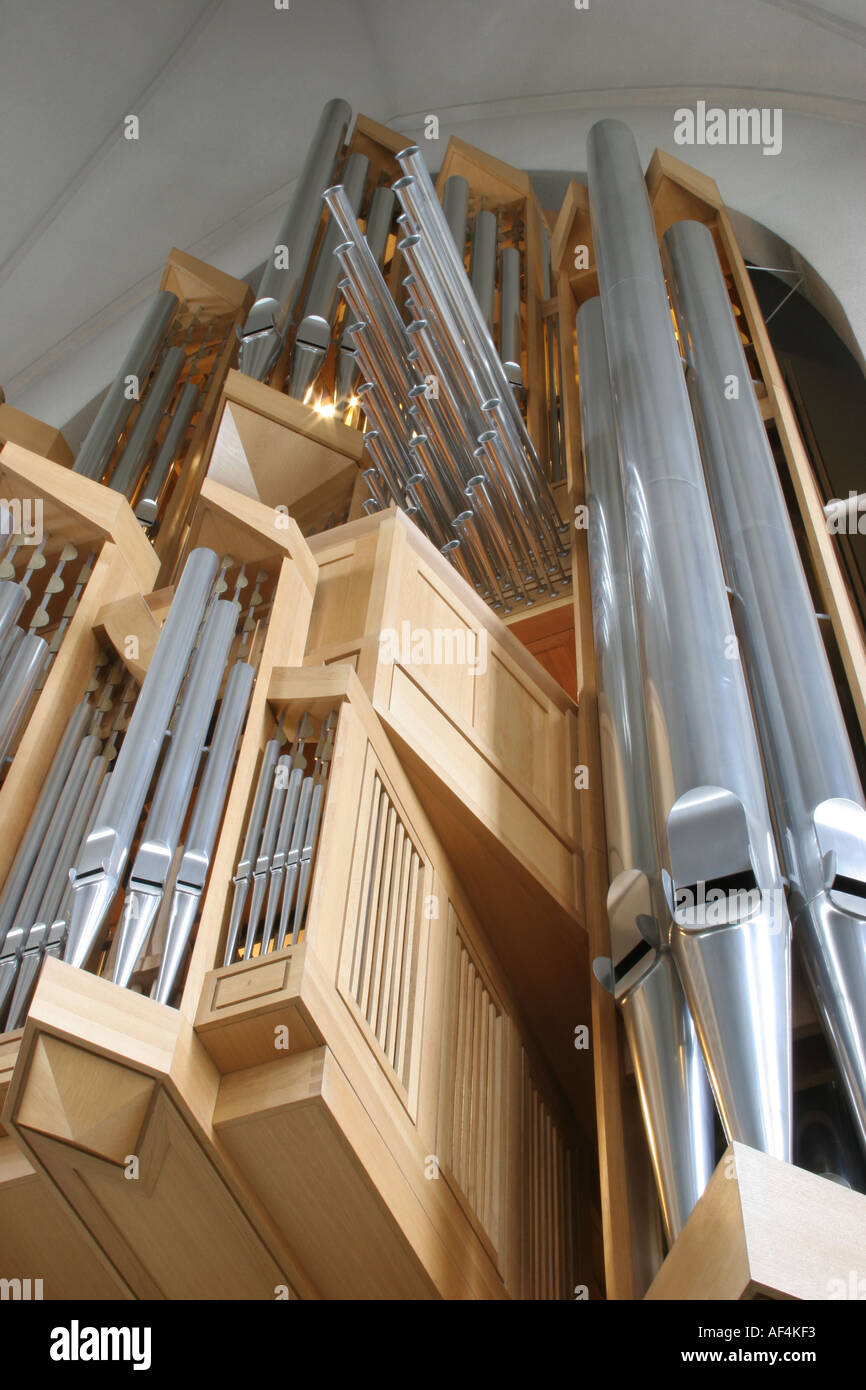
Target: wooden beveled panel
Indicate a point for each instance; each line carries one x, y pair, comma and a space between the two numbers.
474, 1089
383, 954
525, 732
453, 755
342, 593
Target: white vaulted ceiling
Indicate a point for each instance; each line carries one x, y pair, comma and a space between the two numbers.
227, 93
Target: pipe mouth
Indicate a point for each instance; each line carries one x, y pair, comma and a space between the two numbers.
486, 435
448, 547
477, 480
462, 517
408, 242
492, 403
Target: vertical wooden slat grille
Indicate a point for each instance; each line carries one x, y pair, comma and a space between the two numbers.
547, 1200
384, 966
472, 1125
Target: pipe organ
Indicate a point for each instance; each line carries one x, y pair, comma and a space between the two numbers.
422, 761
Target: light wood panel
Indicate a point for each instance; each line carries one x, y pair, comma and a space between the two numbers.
105, 1076
764, 1228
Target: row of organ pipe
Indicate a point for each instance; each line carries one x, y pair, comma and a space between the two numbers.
111, 870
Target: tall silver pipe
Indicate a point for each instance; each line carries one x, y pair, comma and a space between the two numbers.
102, 436
482, 265
313, 337
126, 472
816, 793
18, 685
263, 334
102, 858
455, 210
731, 932
161, 835
147, 507
509, 316
203, 826
676, 1101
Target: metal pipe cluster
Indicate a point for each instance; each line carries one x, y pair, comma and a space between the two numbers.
699, 922
83, 843
713, 677
815, 791
272, 880
444, 429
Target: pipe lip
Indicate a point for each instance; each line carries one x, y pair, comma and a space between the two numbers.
462, 517
449, 546
332, 192
409, 150
406, 243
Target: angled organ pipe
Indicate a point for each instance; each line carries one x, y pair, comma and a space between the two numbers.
263, 334
320, 306
731, 932
675, 1097
815, 790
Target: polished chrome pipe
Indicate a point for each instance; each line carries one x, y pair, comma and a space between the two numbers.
731, 933
482, 265
98, 446
18, 683
378, 225
12, 599
126, 472
203, 826
102, 858
263, 334
815, 789
161, 834
676, 1101
147, 507
313, 337
509, 316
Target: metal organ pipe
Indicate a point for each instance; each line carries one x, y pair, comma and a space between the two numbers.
815, 790
102, 436
455, 209
102, 858
482, 272
314, 331
127, 470
675, 1096
263, 334
379, 216
731, 932
509, 316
